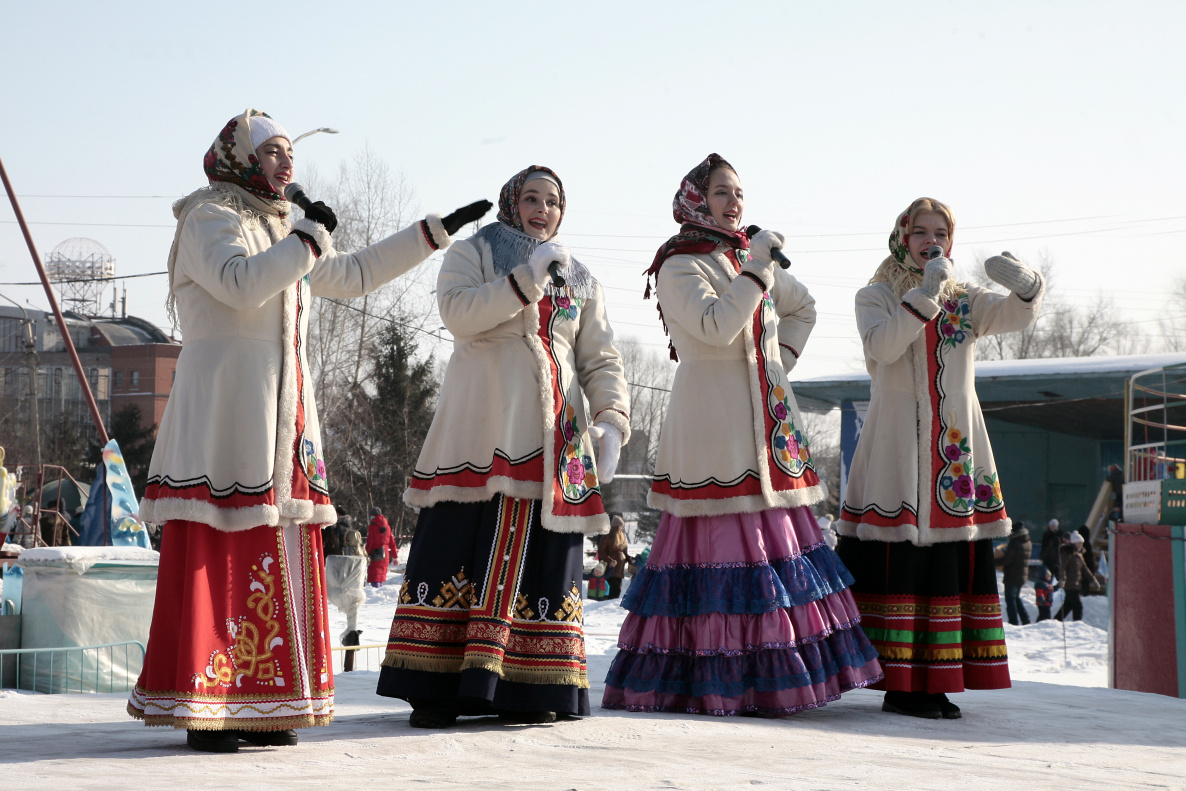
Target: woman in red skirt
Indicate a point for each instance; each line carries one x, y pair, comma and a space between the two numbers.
237, 645
381, 549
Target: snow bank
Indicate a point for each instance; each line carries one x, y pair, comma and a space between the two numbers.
82, 558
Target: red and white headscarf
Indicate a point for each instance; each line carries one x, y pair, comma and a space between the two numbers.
699, 231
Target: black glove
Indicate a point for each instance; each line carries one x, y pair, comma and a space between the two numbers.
466, 214
323, 214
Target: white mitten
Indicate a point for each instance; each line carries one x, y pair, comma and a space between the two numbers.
543, 256
1013, 275
938, 270
609, 448
759, 246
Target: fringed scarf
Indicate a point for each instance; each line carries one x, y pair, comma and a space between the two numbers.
898, 269
236, 180
699, 231
511, 247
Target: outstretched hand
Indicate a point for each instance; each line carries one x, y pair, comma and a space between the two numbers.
466, 214
1007, 270
609, 448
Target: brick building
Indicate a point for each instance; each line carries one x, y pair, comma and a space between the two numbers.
127, 360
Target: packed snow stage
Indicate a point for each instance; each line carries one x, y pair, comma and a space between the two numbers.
1058, 726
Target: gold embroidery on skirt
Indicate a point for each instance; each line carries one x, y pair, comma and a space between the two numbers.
457, 592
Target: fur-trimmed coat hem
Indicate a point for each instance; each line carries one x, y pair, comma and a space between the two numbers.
925, 536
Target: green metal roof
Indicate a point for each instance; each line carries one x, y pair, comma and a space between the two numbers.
1083, 396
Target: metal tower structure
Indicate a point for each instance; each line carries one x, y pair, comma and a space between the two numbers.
81, 269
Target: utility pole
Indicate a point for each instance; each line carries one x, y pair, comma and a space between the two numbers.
31, 365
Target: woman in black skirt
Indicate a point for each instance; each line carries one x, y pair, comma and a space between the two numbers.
508, 482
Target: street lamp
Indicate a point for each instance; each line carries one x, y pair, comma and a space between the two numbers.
326, 129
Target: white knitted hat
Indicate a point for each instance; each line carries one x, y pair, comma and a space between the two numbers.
1076, 538
264, 128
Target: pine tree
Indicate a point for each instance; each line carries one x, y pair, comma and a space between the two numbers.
375, 438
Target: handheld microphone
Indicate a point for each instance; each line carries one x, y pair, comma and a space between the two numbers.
295, 193
775, 252
933, 252
554, 272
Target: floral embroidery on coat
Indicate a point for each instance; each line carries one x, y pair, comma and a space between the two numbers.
963, 486
956, 486
767, 300
314, 467
577, 472
790, 446
567, 307
954, 325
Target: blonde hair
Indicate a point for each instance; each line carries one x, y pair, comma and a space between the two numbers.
899, 274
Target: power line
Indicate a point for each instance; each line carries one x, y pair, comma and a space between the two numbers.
90, 224
88, 279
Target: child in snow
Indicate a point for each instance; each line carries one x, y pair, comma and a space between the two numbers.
1044, 594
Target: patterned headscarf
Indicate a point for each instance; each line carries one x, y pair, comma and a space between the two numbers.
236, 180
232, 160
897, 239
898, 269
508, 199
511, 246
699, 231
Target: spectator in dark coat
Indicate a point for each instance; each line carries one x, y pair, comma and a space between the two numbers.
1051, 540
1088, 553
611, 550
1016, 558
1074, 577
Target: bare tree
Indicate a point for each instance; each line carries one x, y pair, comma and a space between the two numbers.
1173, 326
371, 202
648, 375
821, 428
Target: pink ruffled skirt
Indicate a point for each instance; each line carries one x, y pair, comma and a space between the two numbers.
740, 613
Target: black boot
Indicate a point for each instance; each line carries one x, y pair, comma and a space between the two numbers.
912, 704
947, 709
432, 714
286, 738
213, 741
528, 717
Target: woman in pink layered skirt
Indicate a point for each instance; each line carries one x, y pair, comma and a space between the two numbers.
741, 607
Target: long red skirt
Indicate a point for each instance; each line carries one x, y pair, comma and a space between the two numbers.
238, 636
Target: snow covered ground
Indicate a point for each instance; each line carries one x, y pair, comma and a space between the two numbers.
1058, 727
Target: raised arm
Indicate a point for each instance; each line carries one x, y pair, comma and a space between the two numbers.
468, 304
887, 328
354, 274
217, 259
994, 314
688, 299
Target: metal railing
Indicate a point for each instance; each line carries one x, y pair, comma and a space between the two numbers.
367, 656
41, 670
1155, 424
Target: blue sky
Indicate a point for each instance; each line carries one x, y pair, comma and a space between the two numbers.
1050, 127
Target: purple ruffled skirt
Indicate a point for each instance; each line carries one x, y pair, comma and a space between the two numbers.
739, 613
